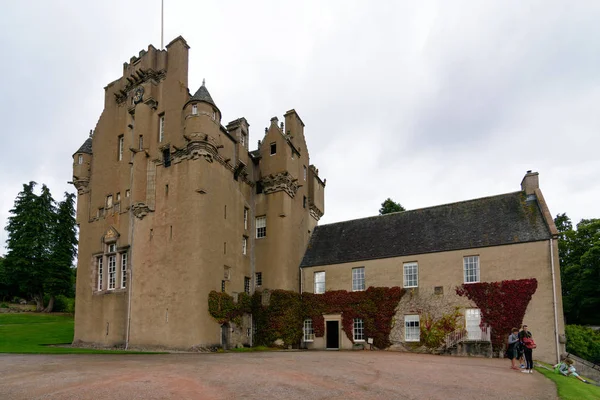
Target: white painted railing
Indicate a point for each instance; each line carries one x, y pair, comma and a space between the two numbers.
481, 334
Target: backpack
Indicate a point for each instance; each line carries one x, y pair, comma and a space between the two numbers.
529, 343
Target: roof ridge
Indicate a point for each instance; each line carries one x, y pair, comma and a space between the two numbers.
422, 208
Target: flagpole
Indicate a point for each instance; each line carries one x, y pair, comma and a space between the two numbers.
162, 22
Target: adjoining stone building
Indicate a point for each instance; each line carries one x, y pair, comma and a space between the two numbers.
433, 250
172, 204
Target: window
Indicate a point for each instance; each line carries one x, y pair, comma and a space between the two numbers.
308, 331
412, 331
141, 142
123, 270
121, 146
411, 275
258, 276
127, 192
358, 330
99, 261
273, 148
118, 196
101, 212
259, 187
304, 201
243, 139
112, 272
304, 172
223, 286
226, 273
112, 248
320, 282
245, 218
471, 268
214, 115
167, 157
358, 279
247, 285
80, 159
261, 227
109, 201
194, 109
244, 245
161, 128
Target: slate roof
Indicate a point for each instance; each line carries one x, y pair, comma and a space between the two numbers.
86, 147
490, 221
203, 95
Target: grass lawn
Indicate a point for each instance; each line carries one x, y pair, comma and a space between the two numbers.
570, 388
32, 332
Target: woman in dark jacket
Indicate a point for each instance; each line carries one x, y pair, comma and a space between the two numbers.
526, 339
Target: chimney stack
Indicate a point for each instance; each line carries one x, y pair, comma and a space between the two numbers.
530, 182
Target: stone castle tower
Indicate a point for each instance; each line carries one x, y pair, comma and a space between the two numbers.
172, 204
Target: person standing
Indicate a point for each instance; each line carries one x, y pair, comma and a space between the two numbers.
511, 351
526, 339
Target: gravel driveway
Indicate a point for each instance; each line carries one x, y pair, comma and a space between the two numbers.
270, 375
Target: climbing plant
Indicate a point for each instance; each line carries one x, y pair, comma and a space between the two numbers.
434, 330
502, 304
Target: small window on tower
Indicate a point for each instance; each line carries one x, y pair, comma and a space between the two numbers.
304, 201
167, 157
118, 196
214, 115
121, 147
80, 159
127, 193
273, 148
243, 139
141, 142
109, 201
194, 109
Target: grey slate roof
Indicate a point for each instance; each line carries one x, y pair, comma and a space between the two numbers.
203, 95
86, 147
489, 221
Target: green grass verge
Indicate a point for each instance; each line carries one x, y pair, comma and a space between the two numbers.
570, 388
33, 332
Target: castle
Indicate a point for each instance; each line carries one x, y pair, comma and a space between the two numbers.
172, 204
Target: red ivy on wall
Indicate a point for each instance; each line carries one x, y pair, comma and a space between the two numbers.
502, 304
375, 306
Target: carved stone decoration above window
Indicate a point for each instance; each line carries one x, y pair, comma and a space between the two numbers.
111, 235
140, 210
281, 181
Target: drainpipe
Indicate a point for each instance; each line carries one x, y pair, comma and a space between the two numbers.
131, 230
554, 300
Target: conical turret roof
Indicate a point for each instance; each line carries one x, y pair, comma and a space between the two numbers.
86, 147
203, 95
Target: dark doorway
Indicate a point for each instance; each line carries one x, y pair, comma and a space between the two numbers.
225, 336
333, 334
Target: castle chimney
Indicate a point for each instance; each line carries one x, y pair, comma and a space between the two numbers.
530, 182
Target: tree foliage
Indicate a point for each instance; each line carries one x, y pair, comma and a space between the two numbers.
390, 206
579, 254
41, 245
584, 342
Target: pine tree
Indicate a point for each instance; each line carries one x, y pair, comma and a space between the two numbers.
390, 206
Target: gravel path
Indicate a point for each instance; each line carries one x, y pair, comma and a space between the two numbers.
270, 375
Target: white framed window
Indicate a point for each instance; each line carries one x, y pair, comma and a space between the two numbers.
121, 147
304, 172
472, 323
411, 275
244, 245
123, 270
245, 218
112, 271
109, 201
118, 196
194, 109
320, 282
412, 330
99, 263
358, 330
214, 115
161, 128
471, 269
247, 285
261, 227
308, 331
258, 277
358, 279
80, 159
112, 248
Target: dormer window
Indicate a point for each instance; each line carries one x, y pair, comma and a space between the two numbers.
273, 148
195, 109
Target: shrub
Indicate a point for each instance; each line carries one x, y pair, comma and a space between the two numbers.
63, 304
3, 305
584, 342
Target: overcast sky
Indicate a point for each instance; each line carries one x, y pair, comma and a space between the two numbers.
426, 102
